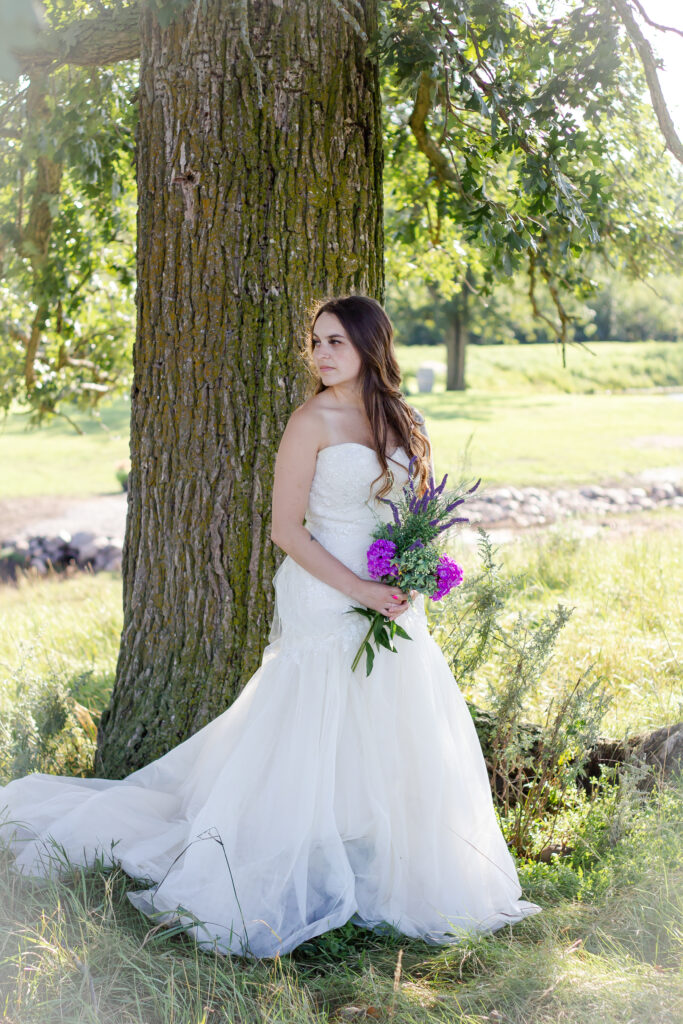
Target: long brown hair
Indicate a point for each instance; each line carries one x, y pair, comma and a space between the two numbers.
371, 333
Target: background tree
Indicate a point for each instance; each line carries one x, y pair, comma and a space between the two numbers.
612, 147
67, 234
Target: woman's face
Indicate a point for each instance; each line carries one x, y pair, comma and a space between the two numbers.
334, 355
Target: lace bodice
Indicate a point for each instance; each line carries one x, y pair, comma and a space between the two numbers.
341, 514
342, 496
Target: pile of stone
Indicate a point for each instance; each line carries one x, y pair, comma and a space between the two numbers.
530, 506
507, 507
84, 549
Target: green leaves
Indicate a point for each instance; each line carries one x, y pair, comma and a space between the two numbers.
381, 630
66, 165
531, 148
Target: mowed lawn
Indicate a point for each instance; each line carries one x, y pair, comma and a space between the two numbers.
522, 420
553, 439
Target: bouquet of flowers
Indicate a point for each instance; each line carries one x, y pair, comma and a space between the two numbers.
406, 553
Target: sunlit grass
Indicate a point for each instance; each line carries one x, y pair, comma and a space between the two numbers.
529, 421
55, 460
603, 366
627, 622
64, 627
552, 439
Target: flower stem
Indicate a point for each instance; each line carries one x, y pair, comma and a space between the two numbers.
363, 642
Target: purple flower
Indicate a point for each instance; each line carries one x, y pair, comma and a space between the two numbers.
394, 510
449, 575
380, 555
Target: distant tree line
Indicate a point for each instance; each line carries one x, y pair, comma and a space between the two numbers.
620, 310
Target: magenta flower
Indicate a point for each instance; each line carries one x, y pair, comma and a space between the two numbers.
449, 574
380, 555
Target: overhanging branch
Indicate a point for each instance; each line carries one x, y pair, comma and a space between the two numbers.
91, 42
673, 143
661, 28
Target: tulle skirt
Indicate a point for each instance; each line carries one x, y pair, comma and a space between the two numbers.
319, 796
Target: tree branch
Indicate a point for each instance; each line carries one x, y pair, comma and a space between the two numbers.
437, 158
662, 28
673, 143
91, 42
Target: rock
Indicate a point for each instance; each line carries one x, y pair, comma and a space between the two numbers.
662, 491
104, 556
55, 546
88, 552
425, 378
114, 564
617, 496
81, 538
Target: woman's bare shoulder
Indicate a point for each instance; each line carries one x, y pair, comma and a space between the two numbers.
308, 420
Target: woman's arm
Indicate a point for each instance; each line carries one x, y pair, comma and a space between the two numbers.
294, 469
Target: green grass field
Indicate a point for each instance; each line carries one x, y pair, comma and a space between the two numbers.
604, 366
514, 424
553, 439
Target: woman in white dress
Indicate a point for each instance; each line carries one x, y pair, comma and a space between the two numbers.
320, 795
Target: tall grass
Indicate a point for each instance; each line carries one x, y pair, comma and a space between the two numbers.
627, 620
607, 948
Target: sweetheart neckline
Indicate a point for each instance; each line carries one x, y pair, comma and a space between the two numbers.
358, 444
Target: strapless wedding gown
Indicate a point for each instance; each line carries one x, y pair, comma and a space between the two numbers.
319, 796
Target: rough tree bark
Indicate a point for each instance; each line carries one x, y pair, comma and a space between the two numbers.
259, 175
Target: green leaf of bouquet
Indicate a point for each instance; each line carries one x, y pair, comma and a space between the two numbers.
370, 658
367, 612
383, 639
401, 632
378, 628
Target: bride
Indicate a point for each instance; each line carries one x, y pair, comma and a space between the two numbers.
320, 795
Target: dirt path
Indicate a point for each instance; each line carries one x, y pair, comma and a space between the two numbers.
33, 517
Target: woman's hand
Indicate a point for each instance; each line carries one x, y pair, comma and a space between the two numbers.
384, 598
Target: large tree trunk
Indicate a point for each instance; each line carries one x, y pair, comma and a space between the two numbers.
260, 185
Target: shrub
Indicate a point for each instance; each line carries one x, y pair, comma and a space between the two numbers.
46, 729
532, 767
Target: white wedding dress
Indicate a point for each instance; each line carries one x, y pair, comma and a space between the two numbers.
319, 796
